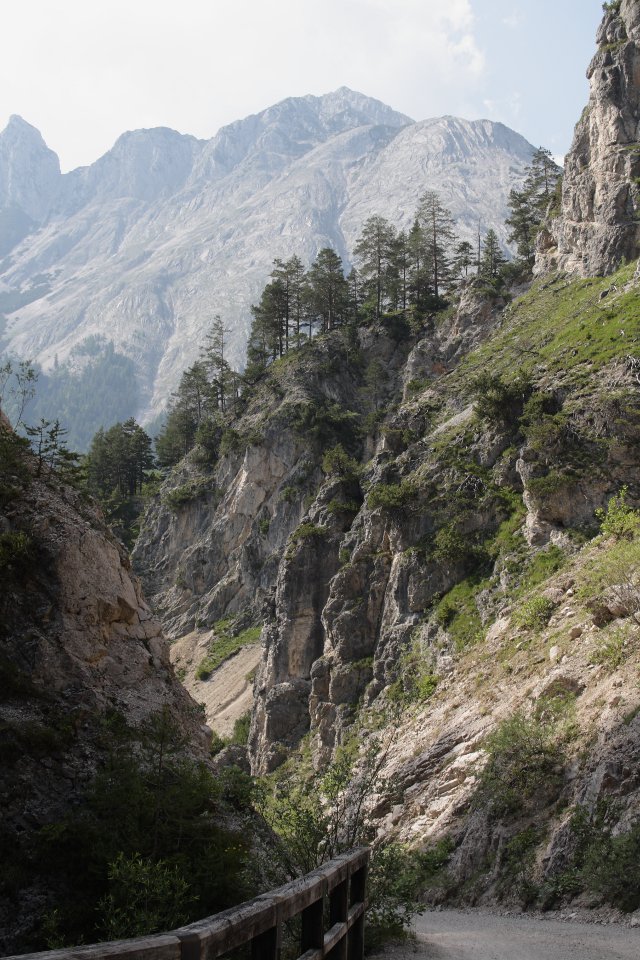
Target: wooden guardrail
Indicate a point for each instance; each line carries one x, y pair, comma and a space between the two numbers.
330, 902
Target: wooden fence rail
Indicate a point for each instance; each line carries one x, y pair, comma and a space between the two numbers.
332, 896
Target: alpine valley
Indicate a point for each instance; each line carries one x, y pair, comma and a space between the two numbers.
391, 569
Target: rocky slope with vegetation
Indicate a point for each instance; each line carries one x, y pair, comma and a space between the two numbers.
434, 517
98, 739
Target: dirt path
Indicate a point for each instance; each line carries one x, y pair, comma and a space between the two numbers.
474, 935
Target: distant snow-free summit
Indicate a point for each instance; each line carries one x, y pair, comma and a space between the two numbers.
138, 251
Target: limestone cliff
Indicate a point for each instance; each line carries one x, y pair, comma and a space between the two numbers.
480, 448
79, 647
598, 226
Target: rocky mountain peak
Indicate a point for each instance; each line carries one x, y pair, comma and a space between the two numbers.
598, 225
29, 170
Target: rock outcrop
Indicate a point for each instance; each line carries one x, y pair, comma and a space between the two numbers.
79, 647
599, 223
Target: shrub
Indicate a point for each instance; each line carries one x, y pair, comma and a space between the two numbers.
611, 868
392, 496
342, 506
308, 531
498, 400
533, 614
187, 492
16, 554
612, 651
619, 520
145, 849
241, 729
523, 760
457, 612
416, 681
336, 462
145, 896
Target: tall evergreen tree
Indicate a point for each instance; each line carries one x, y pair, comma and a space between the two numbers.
374, 254
327, 291
438, 225
529, 205
492, 257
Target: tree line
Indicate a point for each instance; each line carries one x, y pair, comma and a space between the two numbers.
413, 272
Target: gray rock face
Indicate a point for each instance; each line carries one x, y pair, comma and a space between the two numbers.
598, 226
29, 172
78, 644
147, 244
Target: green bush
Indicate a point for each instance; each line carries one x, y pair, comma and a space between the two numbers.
619, 520
499, 400
524, 764
457, 612
145, 896
336, 462
416, 682
16, 554
241, 729
187, 493
307, 531
533, 614
145, 849
611, 868
392, 496
342, 506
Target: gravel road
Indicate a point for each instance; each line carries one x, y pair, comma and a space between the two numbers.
475, 935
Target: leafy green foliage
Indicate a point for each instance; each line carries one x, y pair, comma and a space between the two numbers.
499, 400
416, 682
315, 817
16, 555
392, 496
146, 845
144, 896
533, 614
523, 768
458, 613
336, 462
619, 520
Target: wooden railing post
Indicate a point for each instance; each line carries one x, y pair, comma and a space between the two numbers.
339, 913
267, 945
312, 935
357, 895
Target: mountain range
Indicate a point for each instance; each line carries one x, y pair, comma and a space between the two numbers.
137, 252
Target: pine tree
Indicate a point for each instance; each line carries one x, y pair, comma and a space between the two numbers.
462, 259
492, 258
374, 254
438, 224
529, 205
327, 291
216, 364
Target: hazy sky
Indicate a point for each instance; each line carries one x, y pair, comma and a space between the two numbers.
84, 71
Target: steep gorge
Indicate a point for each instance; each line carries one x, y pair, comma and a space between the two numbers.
445, 573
